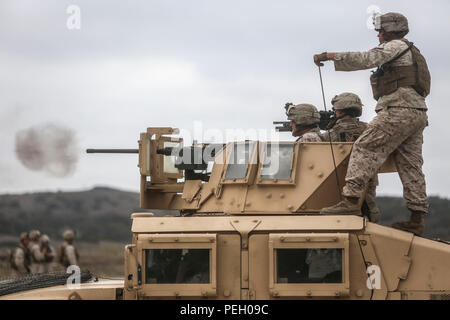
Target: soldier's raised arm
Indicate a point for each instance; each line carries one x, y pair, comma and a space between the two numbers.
386, 51
352, 61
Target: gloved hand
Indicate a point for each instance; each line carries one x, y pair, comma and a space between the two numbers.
320, 57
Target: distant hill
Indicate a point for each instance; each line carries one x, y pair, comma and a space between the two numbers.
437, 222
104, 214
97, 214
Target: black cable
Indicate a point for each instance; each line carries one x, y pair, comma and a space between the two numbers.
329, 137
366, 266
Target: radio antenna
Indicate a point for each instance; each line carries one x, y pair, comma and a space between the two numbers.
329, 136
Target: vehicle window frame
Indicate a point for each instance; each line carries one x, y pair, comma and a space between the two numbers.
309, 241
179, 241
294, 164
252, 163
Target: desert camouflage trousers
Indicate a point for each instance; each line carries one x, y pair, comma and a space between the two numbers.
371, 210
398, 131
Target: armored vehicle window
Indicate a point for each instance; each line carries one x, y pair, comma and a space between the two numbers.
277, 161
177, 266
239, 160
309, 265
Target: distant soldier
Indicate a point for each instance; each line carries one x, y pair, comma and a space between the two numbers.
37, 258
304, 122
348, 128
68, 254
20, 258
49, 254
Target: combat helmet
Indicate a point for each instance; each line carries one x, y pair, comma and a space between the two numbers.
34, 235
303, 114
391, 22
68, 235
23, 236
347, 101
44, 238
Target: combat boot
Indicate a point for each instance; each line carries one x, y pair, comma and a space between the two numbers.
348, 206
370, 210
415, 225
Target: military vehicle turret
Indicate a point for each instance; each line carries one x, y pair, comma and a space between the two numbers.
249, 228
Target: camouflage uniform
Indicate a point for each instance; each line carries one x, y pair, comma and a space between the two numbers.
49, 254
37, 257
68, 254
21, 261
400, 85
397, 128
345, 130
311, 136
405, 97
349, 130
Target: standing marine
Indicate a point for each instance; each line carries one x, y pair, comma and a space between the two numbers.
67, 253
304, 122
37, 257
400, 85
20, 258
49, 254
346, 127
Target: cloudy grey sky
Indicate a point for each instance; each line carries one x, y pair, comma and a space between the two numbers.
229, 64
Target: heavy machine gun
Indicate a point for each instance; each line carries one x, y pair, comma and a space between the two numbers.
191, 159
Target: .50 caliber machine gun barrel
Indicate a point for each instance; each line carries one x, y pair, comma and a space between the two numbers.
282, 126
112, 150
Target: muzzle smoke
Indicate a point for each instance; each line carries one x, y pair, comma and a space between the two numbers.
50, 148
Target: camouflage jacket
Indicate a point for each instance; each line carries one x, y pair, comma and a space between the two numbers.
345, 130
21, 260
68, 254
35, 251
312, 135
352, 61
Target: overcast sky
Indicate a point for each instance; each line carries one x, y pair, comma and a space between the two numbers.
228, 64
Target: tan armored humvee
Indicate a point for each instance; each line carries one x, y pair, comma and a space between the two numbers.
250, 228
